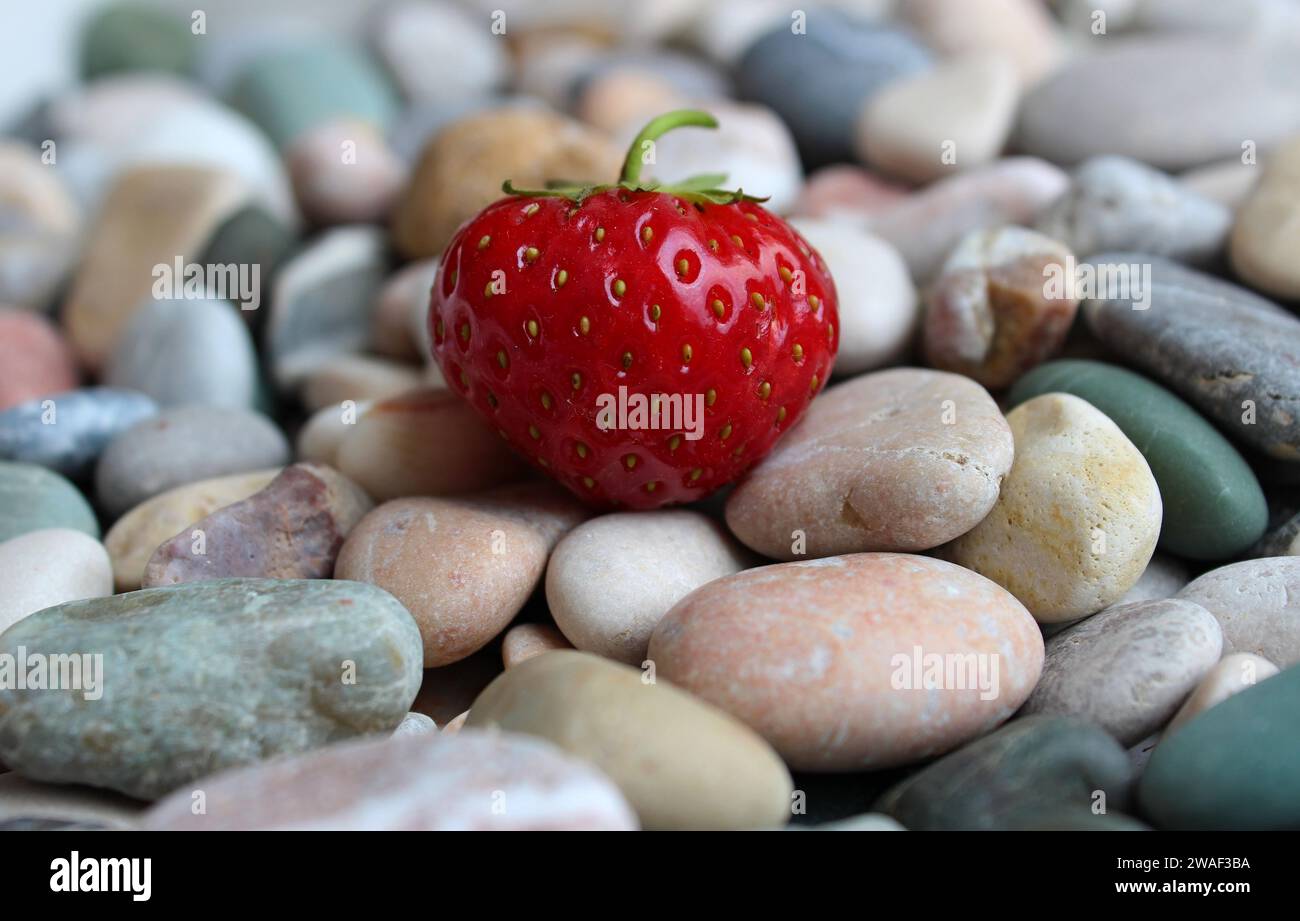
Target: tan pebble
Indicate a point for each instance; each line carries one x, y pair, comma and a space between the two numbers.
524, 641
359, 378
320, 438
1266, 235
400, 317
344, 172
1233, 673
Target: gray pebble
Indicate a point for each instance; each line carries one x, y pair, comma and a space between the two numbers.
68, 431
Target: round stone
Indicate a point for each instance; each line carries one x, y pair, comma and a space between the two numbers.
523, 641
40, 569
1257, 603
33, 499
1266, 233
35, 361
343, 171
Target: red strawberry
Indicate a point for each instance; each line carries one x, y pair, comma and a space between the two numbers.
548, 302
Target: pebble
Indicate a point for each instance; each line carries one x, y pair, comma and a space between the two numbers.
1128, 668
1234, 767
463, 567
933, 124
40, 569
39, 221
1117, 203
1228, 182
35, 804
289, 90
1078, 515
818, 657
991, 314
415, 724
621, 96
399, 316
523, 641
1266, 232
877, 300
475, 781
35, 361
1172, 102
320, 302
462, 167
1020, 29
425, 442
68, 431
1164, 577
819, 80
1233, 674
1014, 778
1226, 351
359, 378
343, 171
1214, 508
127, 37
846, 194
292, 529
680, 762
33, 499
184, 445
438, 52
612, 579
904, 459
1257, 603
151, 216
136, 535
320, 437
178, 657
930, 223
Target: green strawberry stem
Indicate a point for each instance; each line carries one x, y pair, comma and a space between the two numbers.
702, 188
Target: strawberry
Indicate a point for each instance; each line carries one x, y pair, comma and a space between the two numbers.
643, 344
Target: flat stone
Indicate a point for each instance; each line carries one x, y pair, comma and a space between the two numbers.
40, 569
680, 762
1234, 767
474, 781
208, 676
991, 314
292, 529
825, 658
876, 300
1214, 508
934, 124
35, 361
1077, 518
425, 442
1128, 668
1011, 778
904, 459
523, 641
1116, 203
68, 431
33, 498
1020, 29
1172, 102
1266, 233
1257, 603
136, 535
1226, 351
1233, 674
463, 567
184, 445
612, 579
819, 80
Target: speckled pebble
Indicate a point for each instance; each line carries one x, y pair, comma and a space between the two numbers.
1257, 603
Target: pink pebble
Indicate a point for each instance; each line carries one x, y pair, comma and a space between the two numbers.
34, 359
838, 191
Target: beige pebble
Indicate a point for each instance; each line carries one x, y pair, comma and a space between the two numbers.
319, 439
1266, 235
400, 317
456, 725
43, 568
524, 641
359, 378
1233, 673
1257, 603
344, 172
1021, 29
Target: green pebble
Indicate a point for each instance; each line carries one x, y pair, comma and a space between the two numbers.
125, 38
1214, 508
33, 498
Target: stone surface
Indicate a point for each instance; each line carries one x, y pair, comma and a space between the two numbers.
184, 445
875, 465
438, 51
292, 529
1233, 767
476, 781
33, 498
1257, 603
343, 171
827, 659
928, 224
1163, 578
415, 724
876, 299
136, 535
463, 567
43, 568
992, 314
359, 378
1233, 674
321, 435
934, 124
612, 579
33, 802
401, 308
35, 361
1172, 102
523, 641
1266, 232
1214, 508
818, 81
1215, 344
211, 675
681, 763
1128, 668
1020, 29
1078, 515
846, 193
426, 442
68, 431
1117, 203
462, 167
1012, 778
